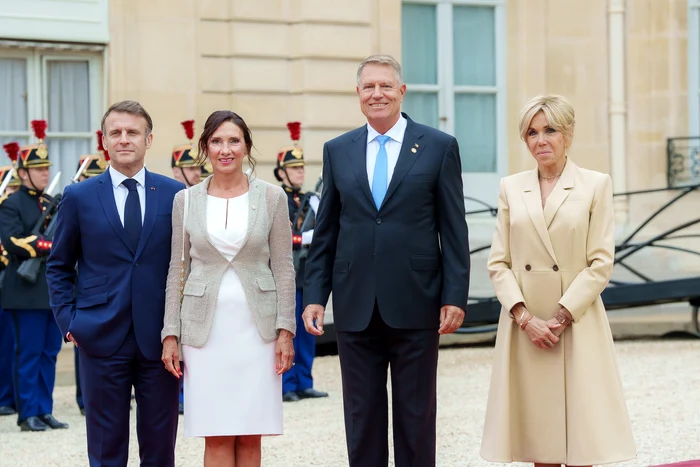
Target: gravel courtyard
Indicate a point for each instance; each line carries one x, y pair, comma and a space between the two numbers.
661, 378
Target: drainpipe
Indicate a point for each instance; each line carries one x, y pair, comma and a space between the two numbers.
618, 107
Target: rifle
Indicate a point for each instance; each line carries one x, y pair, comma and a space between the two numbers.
29, 269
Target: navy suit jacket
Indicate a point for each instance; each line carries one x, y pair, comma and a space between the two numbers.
115, 286
411, 255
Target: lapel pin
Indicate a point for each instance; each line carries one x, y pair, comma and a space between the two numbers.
153, 188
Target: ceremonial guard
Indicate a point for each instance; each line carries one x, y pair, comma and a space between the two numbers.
90, 165
297, 383
188, 170
186, 167
11, 183
25, 225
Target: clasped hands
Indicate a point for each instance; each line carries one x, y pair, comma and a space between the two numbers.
544, 334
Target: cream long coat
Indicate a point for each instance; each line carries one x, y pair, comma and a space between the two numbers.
562, 405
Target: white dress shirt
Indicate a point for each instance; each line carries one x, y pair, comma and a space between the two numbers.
393, 148
121, 192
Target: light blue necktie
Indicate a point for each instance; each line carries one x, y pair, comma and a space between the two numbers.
381, 172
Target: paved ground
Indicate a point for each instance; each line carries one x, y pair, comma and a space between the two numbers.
661, 378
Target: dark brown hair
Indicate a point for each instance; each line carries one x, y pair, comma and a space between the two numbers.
132, 108
214, 122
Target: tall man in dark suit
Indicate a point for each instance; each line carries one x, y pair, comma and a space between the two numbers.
117, 228
391, 243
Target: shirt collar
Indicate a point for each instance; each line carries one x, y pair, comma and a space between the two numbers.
396, 132
118, 177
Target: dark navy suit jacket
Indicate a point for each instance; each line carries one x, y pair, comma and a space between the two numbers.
411, 255
116, 287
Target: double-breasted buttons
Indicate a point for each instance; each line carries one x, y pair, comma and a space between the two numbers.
555, 267
527, 267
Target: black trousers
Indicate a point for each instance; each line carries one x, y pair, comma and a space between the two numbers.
365, 357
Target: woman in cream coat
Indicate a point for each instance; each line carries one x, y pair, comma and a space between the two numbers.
236, 320
556, 395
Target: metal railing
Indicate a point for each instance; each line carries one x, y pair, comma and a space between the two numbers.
683, 155
620, 294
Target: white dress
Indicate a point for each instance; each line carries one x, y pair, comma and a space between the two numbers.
231, 387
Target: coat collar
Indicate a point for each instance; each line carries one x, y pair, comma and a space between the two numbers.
542, 218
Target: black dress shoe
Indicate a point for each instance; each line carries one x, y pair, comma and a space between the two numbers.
311, 393
33, 424
290, 396
7, 410
51, 422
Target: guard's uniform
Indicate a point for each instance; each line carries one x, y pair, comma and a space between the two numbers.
184, 156
37, 337
297, 383
7, 338
98, 164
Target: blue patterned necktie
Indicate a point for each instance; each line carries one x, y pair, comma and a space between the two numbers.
381, 172
132, 214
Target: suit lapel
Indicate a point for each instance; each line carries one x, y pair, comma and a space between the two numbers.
358, 160
559, 193
105, 192
198, 208
149, 220
533, 203
410, 150
199, 199
255, 199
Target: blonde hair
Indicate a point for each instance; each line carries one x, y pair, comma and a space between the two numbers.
558, 112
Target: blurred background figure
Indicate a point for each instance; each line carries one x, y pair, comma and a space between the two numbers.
185, 164
7, 339
23, 218
298, 383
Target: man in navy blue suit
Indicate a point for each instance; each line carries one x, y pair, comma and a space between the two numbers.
117, 228
391, 242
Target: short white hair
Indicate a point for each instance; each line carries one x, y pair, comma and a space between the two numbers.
385, 60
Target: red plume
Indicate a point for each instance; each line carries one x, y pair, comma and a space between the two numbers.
100, 146
189, 128
294, 130
39, 127
12, 150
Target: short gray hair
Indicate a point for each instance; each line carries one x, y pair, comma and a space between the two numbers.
385, 60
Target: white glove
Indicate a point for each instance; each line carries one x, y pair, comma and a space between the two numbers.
306, 237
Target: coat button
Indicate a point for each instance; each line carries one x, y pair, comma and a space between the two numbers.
527, 267
379, 220
555, 267
254, 207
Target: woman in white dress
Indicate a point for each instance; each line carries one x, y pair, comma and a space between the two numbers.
230, 299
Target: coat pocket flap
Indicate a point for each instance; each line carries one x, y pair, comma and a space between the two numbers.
91, 300
194, 288
425, 263
95, 281
266, 283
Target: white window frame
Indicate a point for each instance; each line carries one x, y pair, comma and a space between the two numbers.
694, 67
37, 89
480, 185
